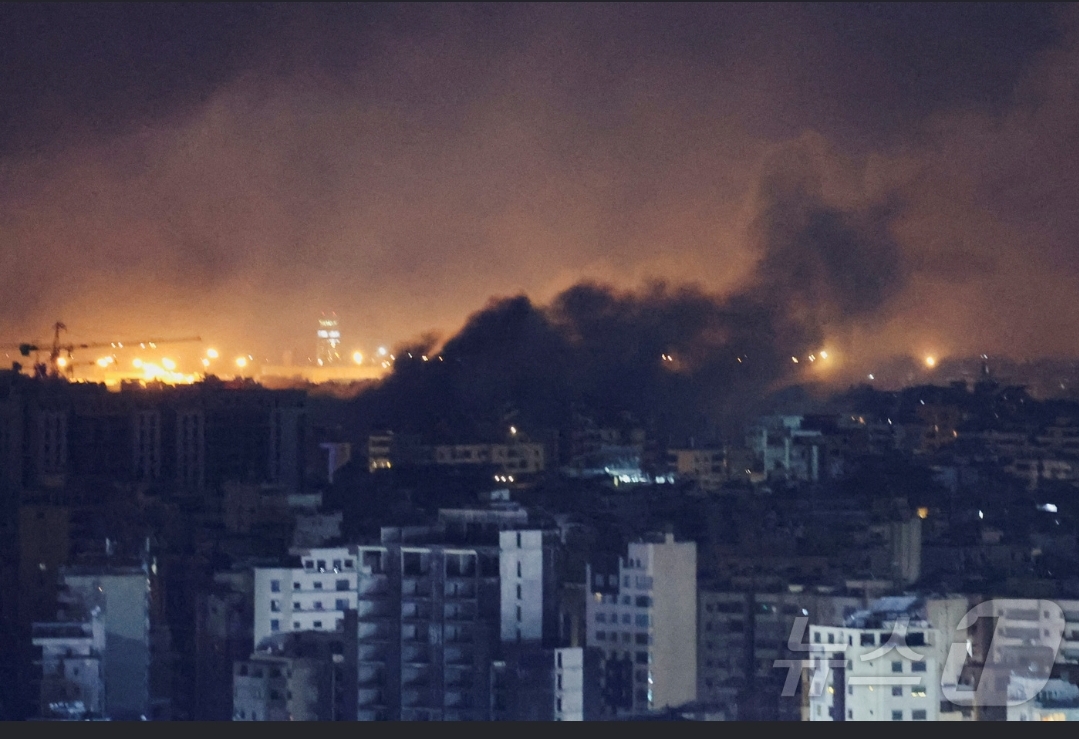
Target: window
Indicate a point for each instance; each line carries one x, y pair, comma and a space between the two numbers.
518, 614
558, 704
296, 625
321, 564
897, 715
309, 564
897, 690
918, 691
518, 539
341, 604
318, 605
317, 624
342, 585
275, 625
641, 658
918, 715
337, 565
816, 637
318, 585
601, 636
350, 564
295, 586
296, 606
831, 638
641, 639
918, 666
868, 640
897, 667
641, 620
518, 568
625, 618
917, 639
559, 681
275, 605
601, 618
626, 637
275, 586
850, 690
518, 592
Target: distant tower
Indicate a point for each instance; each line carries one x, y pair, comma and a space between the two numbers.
329, 339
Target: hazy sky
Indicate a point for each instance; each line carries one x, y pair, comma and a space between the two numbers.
233, 171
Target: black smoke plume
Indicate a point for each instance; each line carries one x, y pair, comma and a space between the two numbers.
673, 358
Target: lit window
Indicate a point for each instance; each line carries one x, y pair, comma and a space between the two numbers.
275, 586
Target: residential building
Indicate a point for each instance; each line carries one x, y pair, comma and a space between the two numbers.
644, 618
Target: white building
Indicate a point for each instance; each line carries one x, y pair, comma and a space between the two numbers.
885, 666
521, 576
649, 620
313, 597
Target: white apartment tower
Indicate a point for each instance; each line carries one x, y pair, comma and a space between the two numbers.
648, 623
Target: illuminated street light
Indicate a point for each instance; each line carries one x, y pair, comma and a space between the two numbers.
212, 353
241, 362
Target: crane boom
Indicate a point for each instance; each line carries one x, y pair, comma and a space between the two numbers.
57, 349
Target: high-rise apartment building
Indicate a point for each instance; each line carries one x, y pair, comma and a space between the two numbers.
644, 618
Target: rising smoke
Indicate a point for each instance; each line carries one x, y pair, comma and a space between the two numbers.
673, 357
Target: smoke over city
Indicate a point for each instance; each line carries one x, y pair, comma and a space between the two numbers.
671, 354
401, 168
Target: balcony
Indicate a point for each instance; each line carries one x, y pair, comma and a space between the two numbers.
416, 587
416, 654
370, 698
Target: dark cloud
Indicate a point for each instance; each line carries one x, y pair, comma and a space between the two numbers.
882, 179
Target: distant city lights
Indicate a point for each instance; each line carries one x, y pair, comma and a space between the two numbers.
212, 353
931, 361
241, 362
357, 357
168, 364
382, 351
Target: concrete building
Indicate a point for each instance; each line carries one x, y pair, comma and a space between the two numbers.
883, 665
272, 688
706, 467
72, 674
784, 450
312, 597
645, 621
300, 676
105, 623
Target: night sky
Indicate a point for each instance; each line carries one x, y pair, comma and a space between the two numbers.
903, 179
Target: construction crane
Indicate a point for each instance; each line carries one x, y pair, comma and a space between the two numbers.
60, 360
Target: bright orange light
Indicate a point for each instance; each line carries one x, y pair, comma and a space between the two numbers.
137, 364
357, 357
212, 353
168, 364
930, 361
205, 362
61, 362
241, 362
104, 361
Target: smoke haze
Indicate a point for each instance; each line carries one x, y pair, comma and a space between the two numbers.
738, 182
